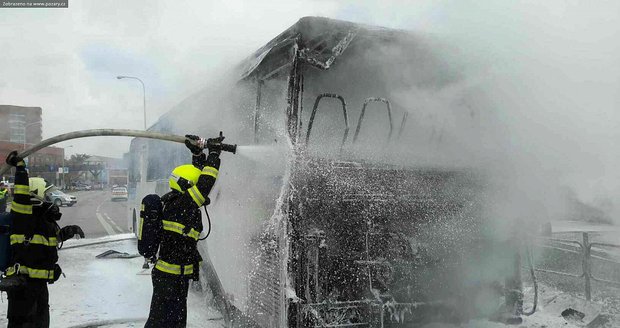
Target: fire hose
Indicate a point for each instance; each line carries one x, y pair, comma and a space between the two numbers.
203, 143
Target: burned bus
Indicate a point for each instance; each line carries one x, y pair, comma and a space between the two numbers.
352, 200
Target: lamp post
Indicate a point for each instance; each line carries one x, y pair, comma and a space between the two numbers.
64, 185
26, 130
120, 77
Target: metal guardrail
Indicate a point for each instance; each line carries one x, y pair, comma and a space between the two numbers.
586, 257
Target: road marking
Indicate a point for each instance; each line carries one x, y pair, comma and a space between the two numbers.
105, 224
113, 223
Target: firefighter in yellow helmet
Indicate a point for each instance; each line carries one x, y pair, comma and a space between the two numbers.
178, 258
35, 236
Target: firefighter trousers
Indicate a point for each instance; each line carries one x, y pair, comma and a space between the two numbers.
169, 301
29, 305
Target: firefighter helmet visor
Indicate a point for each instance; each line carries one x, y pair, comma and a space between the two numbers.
183, 177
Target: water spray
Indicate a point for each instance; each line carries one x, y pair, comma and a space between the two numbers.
203, 143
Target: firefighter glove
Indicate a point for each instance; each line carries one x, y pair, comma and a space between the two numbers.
57, 273
69, 231
14, 160
52, 213
215, 144
192, 145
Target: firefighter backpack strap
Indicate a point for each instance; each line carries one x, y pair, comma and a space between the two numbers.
150, 225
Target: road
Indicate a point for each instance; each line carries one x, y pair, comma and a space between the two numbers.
96, 213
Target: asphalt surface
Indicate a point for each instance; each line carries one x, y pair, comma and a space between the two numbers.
96, 213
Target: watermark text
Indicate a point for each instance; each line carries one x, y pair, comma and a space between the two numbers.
35, 4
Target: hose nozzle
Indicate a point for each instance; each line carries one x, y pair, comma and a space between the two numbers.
229, 148
216, 144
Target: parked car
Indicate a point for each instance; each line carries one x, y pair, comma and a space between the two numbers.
81, 186
60, 198
120, 193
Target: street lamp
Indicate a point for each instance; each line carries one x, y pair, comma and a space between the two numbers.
25, 130
143, 93
64, 185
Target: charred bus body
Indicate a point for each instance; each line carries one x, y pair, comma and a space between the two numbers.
347, 210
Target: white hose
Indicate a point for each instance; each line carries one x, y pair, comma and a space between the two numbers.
94, 133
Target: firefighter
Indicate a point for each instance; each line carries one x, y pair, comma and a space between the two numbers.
179, 260
3, 197
34, 240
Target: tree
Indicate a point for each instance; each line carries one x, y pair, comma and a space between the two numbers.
76, 161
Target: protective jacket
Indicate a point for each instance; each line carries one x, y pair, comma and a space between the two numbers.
182, 222
34, 235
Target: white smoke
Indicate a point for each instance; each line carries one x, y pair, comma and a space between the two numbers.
545, 78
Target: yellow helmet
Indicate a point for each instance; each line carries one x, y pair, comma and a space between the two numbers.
38, 187
183, 177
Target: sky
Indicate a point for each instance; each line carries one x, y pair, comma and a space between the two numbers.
551, 67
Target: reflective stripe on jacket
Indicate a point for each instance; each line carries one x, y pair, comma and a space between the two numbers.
180, 229
175, 269
21, 190
31, 272
35, 239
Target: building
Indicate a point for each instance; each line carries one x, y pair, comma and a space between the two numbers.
20, 128
21, 125
44, 163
